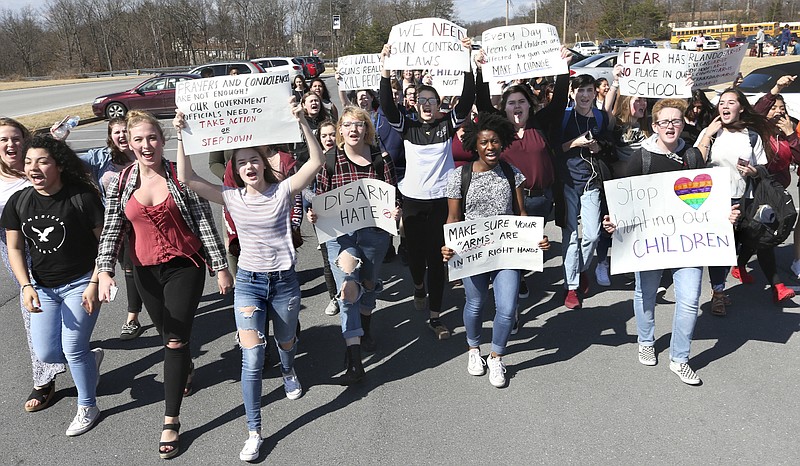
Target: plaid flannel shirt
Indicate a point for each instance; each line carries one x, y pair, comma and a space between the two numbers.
196, 212
345, 172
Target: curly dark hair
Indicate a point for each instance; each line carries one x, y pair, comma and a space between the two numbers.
487, 122
73, 171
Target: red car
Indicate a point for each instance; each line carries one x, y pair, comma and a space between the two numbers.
735, 41
156, 95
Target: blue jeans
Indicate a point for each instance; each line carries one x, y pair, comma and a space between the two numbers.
578, 257
368, 246
506, 289
540, 206
61, 333
688, 283
718, 273
276, 293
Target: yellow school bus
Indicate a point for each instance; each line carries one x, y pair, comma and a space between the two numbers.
751, 29
720, 32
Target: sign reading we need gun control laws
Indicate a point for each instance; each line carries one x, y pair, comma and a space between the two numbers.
360, 204
229, 112
673, 219
427, 44
522, 51
494, 243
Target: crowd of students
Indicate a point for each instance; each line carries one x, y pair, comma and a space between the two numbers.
542, 149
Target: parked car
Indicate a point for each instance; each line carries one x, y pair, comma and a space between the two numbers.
309, 67
612, 45
320, 65
576, 57
587, 48
598, 66
224, 68
751, 40
643, 43
735, 41
155, 95
709, 44
279, 64
761, 80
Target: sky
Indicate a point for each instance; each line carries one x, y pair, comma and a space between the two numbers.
466, 10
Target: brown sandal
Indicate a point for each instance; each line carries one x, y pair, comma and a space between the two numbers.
42, 395
718, 302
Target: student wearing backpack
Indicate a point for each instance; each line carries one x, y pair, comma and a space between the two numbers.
483, 191
664, 152
733, 140
59, 219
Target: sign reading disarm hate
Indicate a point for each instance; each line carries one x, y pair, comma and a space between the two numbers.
360, 204
426, 44
522, 51
229, 112
673, 219
494, 243
359, 72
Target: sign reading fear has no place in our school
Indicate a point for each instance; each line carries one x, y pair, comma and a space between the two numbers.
359, 72
494, 243
673, 219
522, 51
229, 112
360, 204
662, 73
427, 44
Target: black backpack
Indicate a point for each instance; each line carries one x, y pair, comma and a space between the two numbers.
770, 193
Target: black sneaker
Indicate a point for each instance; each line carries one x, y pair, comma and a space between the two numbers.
131, 330
368, 344
390, 255
523, 289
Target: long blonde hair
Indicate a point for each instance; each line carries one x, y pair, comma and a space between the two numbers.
359, 114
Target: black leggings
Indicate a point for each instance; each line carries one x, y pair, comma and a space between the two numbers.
766, 259
171, 293
423, 222
134, 300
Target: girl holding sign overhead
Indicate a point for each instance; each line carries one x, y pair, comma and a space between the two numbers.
355, 258
483, 192
265, 280
429, 159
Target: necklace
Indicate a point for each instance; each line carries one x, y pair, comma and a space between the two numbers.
155, 173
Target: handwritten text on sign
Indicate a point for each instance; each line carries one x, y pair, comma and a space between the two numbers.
494, 243
448, 82
522, 51
359, 72
360, 204
428, 43
673, 219
229, 112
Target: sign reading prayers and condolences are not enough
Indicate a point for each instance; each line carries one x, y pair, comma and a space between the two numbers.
229, 112
522, 51
494, 243
427, 44
669, 220
360, 204
358, 72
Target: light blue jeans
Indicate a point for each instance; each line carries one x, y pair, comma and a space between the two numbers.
61, 333
275, 295
368, 246
688, 283
506, 292
578, 257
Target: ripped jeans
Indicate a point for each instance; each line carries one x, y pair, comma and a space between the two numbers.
257, 293
367, 246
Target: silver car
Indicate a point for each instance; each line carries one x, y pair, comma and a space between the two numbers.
598, 66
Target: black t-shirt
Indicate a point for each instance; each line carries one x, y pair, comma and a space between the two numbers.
58, 231
578, 166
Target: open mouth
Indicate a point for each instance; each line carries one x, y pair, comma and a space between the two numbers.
36, 177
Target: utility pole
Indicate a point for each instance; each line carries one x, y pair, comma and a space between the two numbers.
564, 26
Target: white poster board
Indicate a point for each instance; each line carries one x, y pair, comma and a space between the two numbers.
358, 72
427, 44
360, 204
522, 51
717, 66
674, 219
229, 112
448, 82
494, 243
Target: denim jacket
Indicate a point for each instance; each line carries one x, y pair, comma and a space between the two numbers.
99, 162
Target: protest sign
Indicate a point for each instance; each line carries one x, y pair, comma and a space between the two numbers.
673, 219
359, 72
229, 112
447, 82
427, 44
656, 73
360, 204
494, 243
522, 51
715, 67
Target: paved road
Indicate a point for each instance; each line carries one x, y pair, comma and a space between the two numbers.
577, 394
21, 102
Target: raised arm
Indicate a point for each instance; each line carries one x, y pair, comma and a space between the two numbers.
187, 175
464, 105
305, 175
388, 104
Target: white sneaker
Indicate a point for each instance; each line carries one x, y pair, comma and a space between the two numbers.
497, 371
252, 447
99, 354
476, 364
647, 355
332, 308
291, 384
685, 372
601, 274
796, 268
83, 421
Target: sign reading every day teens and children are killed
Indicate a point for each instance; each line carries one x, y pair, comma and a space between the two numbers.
357, 72
673, 219
494, 243
360, 204
522, 51
229, 112
427, 44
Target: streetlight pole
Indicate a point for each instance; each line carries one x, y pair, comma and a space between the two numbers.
564, 26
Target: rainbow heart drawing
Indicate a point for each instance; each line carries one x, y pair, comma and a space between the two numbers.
694, 192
